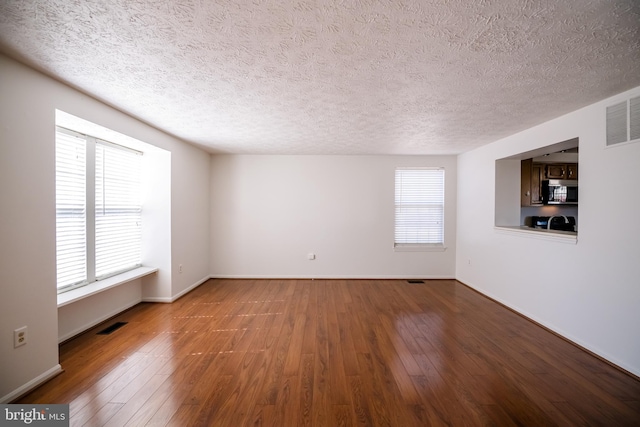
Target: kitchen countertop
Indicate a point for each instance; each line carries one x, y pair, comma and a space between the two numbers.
544, 230
570, 237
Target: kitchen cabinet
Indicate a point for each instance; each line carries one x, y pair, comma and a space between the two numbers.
531, 178
561, 171
525, 182
537, 171
555, 171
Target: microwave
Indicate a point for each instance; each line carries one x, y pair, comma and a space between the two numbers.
559, 192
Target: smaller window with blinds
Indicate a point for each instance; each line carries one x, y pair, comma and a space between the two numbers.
419, 209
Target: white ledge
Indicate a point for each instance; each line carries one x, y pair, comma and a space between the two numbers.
420, 248
77, 294
569, 237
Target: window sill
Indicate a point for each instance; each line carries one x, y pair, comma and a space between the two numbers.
568, 237
420, 248
83, 292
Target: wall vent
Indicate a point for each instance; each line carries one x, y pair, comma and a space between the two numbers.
623, 121
634, 118
415, 281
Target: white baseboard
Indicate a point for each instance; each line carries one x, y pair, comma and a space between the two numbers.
165, 300
330, 277
190, 288
97, 321
45, 376
169, 300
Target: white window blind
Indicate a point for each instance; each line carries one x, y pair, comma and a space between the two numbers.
118, 209
71, 218
98, 209
419, 205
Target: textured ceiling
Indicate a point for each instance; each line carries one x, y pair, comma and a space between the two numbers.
333, 76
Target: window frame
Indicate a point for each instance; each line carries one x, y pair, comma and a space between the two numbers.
91, 145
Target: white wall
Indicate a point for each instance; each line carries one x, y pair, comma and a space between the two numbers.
27, 226
588, 292
156, 222
190, 220
27, 231
269, 212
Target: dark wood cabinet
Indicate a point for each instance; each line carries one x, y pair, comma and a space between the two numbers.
531, 178
555, 171
561, 171
537, 176
525, 182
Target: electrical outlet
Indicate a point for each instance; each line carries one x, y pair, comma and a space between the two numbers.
19, 337
311, 256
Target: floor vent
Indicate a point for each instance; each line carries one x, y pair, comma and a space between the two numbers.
415, 281
112, 328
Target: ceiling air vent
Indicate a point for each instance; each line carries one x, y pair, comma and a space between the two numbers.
623, 122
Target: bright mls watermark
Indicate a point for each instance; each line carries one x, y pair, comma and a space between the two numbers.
34, 415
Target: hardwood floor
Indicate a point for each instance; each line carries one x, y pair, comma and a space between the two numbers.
334, 353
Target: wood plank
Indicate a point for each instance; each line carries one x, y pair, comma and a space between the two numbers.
285, 411
306, 390
137, 401
321, 402
359, 402
98, 418
349, 354
338, 390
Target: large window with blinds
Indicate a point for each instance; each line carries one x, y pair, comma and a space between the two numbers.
419, 208
98, 209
